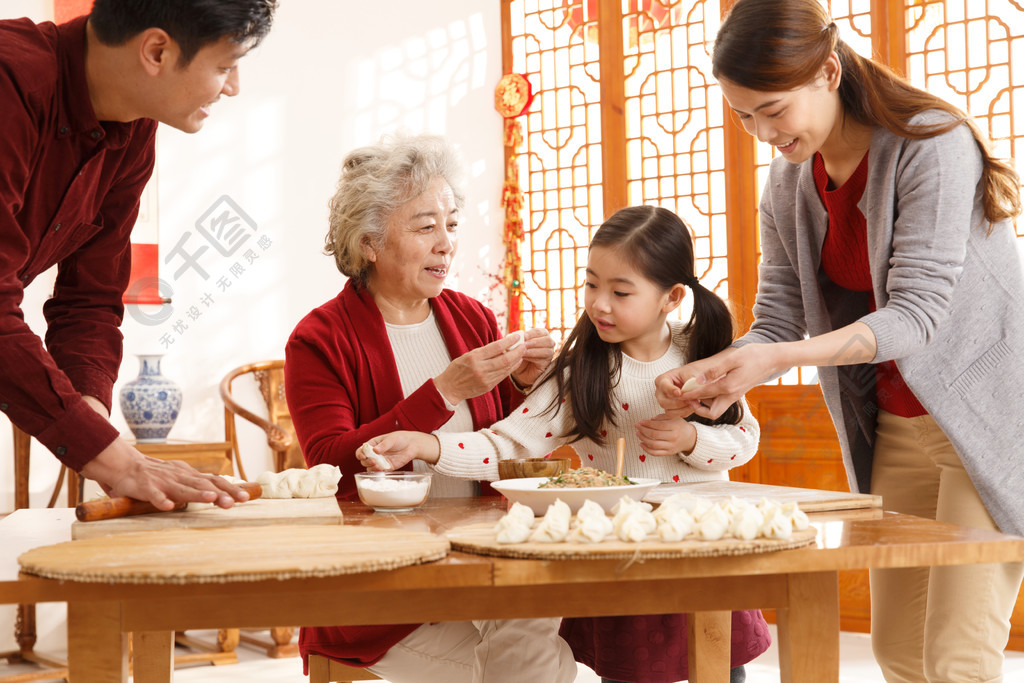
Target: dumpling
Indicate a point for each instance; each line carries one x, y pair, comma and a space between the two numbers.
776, 524
379, 460
633, 524
522, 512
626, 503
745, 523
713, 524
675, 526
511, 530
591, 528
797, 517
554, 527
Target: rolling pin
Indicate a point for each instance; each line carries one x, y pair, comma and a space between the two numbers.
109, 508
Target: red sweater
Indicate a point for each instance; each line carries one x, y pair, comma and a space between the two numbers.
342, 387
844, 258
69, 195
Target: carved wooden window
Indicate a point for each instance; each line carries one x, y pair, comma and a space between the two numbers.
632, 116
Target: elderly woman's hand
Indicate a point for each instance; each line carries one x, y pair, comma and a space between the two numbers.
540, 349
478, 371
399, 448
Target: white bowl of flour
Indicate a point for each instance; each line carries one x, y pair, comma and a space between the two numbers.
392, 491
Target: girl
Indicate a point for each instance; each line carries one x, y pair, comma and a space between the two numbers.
599, 388
886, 237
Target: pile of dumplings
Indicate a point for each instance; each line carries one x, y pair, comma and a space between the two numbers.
679, 517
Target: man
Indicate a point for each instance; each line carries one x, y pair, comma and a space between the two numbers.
80, 105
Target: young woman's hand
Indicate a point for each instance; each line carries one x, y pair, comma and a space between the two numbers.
666, 435
540, 349
400, 448
722, 379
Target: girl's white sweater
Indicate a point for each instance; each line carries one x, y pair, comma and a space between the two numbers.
531, 432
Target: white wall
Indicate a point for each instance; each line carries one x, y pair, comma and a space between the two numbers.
330, 76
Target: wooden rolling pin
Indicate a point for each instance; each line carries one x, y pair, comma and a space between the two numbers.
109, 508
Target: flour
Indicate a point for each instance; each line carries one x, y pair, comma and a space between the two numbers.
386, 493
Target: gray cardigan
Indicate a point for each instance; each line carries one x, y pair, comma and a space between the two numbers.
949, 295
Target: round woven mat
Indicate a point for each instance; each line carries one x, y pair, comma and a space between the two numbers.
233, 554
480, 540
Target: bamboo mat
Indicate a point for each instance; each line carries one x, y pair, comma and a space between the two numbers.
479, 539
222, 555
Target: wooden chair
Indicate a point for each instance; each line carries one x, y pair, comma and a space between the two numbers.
269, 378
324, 670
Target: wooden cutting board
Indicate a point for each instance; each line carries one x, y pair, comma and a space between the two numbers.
810, 500
186, 556
259, 512
480, 539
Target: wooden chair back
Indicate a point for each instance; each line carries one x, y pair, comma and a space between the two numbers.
269, 378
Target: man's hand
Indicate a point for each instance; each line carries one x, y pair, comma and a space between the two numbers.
123, 471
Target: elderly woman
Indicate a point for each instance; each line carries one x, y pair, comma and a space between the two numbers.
395, 350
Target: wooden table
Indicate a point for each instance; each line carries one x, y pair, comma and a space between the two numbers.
801, 584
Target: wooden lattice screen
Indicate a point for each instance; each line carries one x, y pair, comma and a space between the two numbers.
632, 116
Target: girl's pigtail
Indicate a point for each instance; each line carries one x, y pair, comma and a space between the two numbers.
710, 330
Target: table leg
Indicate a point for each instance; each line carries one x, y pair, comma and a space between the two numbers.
152, 659
97, 648
809, 629
709, 638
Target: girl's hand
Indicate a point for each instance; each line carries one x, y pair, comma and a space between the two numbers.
478, 371
400, 448
666, 435
540, 349
722, 379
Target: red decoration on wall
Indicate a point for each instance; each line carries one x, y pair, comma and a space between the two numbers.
643, 17
512, 98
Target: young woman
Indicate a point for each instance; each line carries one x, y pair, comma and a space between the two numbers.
887, 241
600, 388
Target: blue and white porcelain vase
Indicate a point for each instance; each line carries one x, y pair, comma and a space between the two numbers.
150, 403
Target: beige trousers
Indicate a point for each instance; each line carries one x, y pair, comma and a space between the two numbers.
938, 624
509, 651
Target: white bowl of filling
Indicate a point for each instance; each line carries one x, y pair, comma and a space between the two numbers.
392, 491
573, 488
